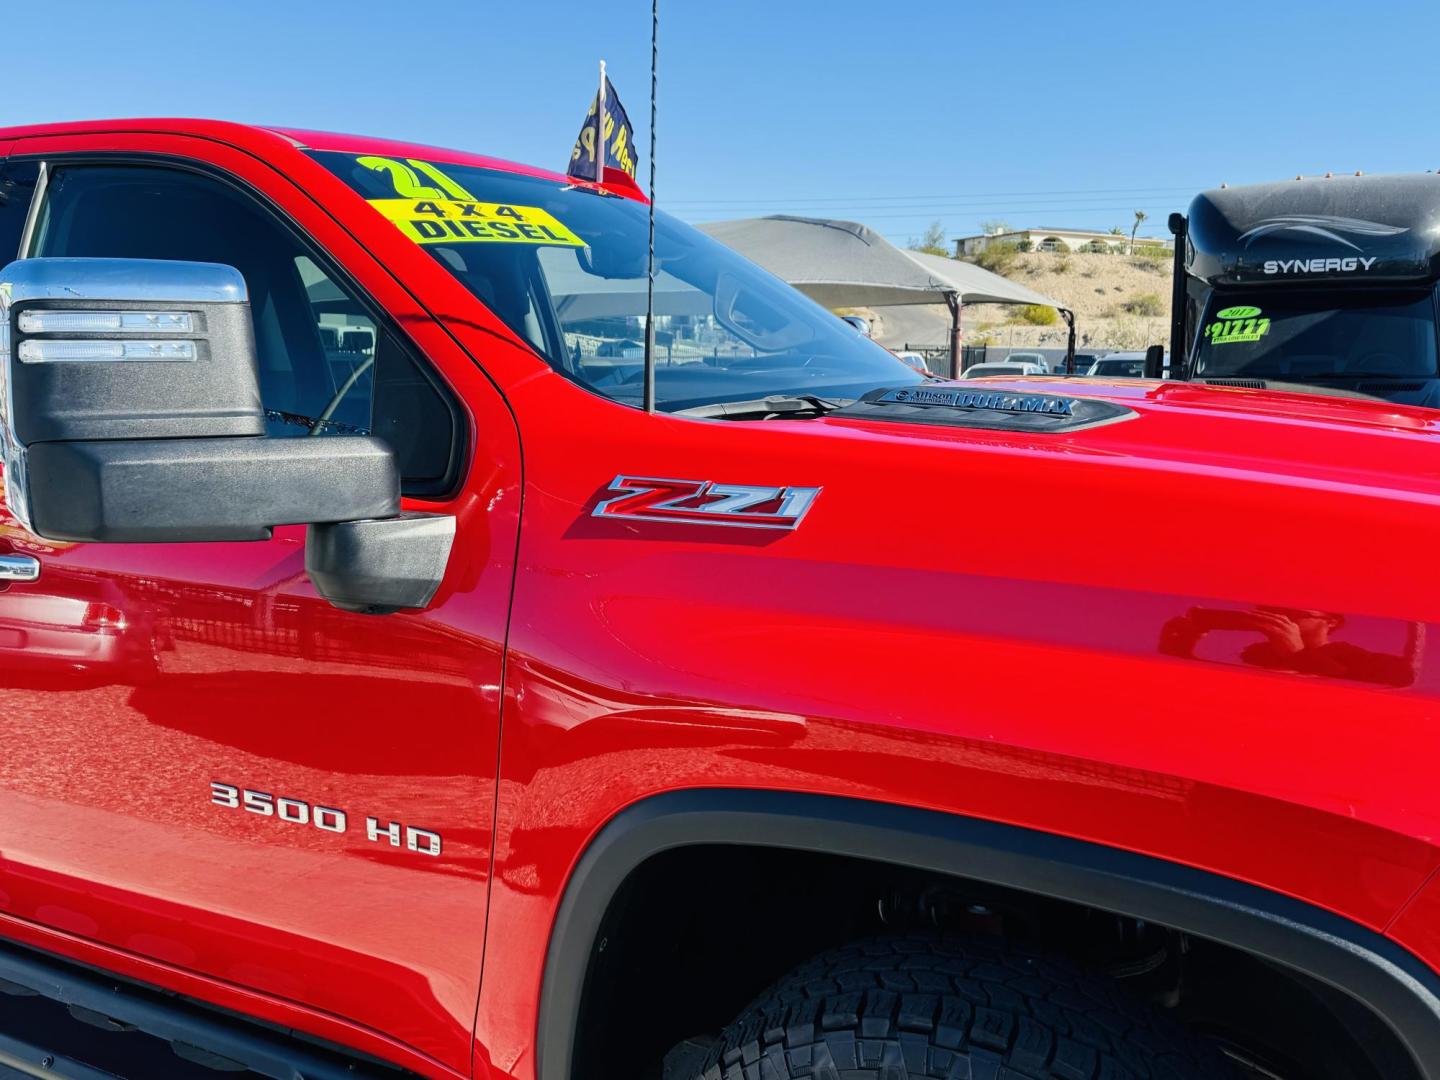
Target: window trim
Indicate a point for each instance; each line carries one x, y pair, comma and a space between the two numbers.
457, 464
32, 212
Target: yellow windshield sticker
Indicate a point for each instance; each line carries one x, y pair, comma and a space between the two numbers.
403, 178
456, 221
1237, 324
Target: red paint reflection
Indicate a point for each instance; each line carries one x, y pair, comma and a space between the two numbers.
1293, 640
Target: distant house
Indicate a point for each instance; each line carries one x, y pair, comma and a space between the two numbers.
1057, 240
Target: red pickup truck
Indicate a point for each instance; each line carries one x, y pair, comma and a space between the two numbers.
385, 692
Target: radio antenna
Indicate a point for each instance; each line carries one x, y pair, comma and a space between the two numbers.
649, 393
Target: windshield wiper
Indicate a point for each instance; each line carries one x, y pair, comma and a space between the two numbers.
1380, 376
1354, 376
1328, 377
775, 407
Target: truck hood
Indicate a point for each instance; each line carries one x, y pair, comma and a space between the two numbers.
1192, 428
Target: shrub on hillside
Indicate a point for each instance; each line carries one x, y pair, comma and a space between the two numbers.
1152, 257
1145, 304
933, 242
1062, 265
1126, 333
1037, 315
998, 258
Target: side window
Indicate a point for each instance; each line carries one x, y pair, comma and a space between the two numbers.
17, 186
327, 364
348, 338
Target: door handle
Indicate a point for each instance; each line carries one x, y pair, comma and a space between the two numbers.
19, 568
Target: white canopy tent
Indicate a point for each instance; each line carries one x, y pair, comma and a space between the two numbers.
978, 285
846, 264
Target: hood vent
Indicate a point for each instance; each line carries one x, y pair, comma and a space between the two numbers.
971, 406
1383, 388
1372, 389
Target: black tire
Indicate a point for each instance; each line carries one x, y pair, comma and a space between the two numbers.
906, 1008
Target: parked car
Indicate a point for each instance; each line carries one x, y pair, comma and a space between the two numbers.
1120, 365
1083, 362
1002, 367
560, 719
914, 360
1038, 359
622, 348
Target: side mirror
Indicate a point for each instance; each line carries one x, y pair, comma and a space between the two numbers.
1155, 362
130, 413
859, 322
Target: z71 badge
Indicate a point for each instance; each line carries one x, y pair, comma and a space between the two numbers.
704, 502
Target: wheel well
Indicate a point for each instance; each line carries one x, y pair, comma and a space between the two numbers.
695, 933
687, 904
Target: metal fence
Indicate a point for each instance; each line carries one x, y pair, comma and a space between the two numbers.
937, 357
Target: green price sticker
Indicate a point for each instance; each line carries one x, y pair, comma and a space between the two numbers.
1237, 324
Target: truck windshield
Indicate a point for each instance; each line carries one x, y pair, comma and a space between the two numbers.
565, 268
1319, 336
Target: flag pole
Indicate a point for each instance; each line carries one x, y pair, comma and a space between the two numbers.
600, 128
648, 390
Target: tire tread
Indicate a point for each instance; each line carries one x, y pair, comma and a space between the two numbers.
934, 1008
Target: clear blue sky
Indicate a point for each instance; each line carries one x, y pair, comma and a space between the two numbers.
895, 113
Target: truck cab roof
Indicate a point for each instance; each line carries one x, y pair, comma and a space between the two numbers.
259, 136
1345, 229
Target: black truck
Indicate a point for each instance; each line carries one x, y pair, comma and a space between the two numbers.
1324, 285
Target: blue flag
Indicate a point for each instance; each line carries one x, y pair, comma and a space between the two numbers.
618, 139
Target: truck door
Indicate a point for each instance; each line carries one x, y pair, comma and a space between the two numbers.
207, 766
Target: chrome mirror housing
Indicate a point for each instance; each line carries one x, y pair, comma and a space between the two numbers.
120, 349
131, 412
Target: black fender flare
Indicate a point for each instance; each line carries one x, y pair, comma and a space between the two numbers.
1395, 985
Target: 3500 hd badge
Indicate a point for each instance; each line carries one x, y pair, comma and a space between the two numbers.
325, 818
